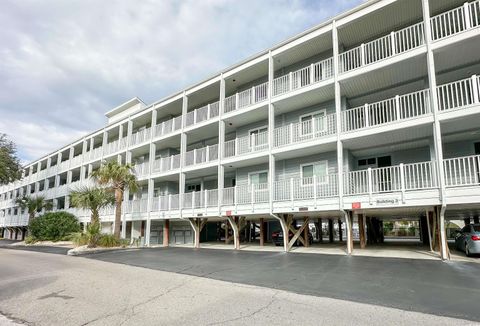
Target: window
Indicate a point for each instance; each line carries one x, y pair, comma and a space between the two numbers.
367, 162
258, 137
256, 178
319, 170
306, 122
194, 187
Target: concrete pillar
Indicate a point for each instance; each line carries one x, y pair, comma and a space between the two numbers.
166, 233
262, 232
330, 230
226, 232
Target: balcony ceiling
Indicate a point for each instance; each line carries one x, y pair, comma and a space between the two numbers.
204, 96
304, 51
169, 142
391, 139
380, 22
252, 73
306, 99
205, 132
386, 77
173, 108
246, 118
379, 151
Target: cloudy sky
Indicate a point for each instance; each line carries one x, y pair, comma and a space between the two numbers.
63, 64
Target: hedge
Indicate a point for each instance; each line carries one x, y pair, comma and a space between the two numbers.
53, 226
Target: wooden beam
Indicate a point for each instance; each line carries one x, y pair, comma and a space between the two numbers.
361, 230
297, 233
166, 233
306, 231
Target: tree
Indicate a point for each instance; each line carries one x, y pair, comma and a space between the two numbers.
10, 168
119, 178
92, 198
33, 205
53, 226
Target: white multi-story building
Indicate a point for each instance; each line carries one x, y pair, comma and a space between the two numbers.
373, 113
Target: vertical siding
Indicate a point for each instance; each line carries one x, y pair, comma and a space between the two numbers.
286, 169
294, 116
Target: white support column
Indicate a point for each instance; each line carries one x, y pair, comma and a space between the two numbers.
129, 132
221, 146
271, 134
338, 115
181, 191
436, 124
120, 131
151, 186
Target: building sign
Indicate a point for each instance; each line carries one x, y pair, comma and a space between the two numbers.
387, 201
303, 209
357, 205
228, 213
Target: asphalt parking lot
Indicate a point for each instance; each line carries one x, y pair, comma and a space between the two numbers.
429, 286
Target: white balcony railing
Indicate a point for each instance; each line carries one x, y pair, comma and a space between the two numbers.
142, 169
251, 96
95, 153
201, 155
401, 177
305, 131
306, 188
136, 206
140, 136
115, 146
204, 113
169, 126
246, 194
455, 21
459, 94
247, 144
200, 199
462, 171
166, 164
394, 109
166, 203
382, 48
314, 73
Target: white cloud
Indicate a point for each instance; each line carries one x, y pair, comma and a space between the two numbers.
65, 63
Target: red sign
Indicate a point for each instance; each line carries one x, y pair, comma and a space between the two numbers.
229, 213
356, 205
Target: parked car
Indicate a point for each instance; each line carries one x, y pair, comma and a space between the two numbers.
277, 237
468, 239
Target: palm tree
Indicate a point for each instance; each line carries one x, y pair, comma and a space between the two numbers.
92, 198
119, 177
33, 205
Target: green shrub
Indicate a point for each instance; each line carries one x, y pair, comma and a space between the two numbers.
30, 240
53, 226
79, 239
108, 241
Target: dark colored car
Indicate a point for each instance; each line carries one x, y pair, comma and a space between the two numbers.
277, 237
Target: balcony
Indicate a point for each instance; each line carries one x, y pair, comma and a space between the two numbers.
201, 155
459, 94
115, 146
309, 75
244, 99
305, 131
168, 127
136, 206
96, 153
455, 21
246, 145
166, 203
246, 194
166, 164
395, 109
142, 169
204, 113
140, 137
382, 48
200, 202
398, 178
76, 161
462, 171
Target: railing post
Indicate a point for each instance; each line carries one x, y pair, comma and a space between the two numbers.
366, 115
193, 200
253, 95
315, 190
254, 142
466, 15
253, 196
205, 198
235, 197
169, 204
402, 181
313, 127
475, 89
362, 54
397, 107
208, 112
195, 116
237, 101
312, 73
207, 154
291, 133
392, 41
370, 182
195, 156
235, 150
290, 81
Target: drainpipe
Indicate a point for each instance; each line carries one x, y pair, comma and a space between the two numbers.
285, 231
